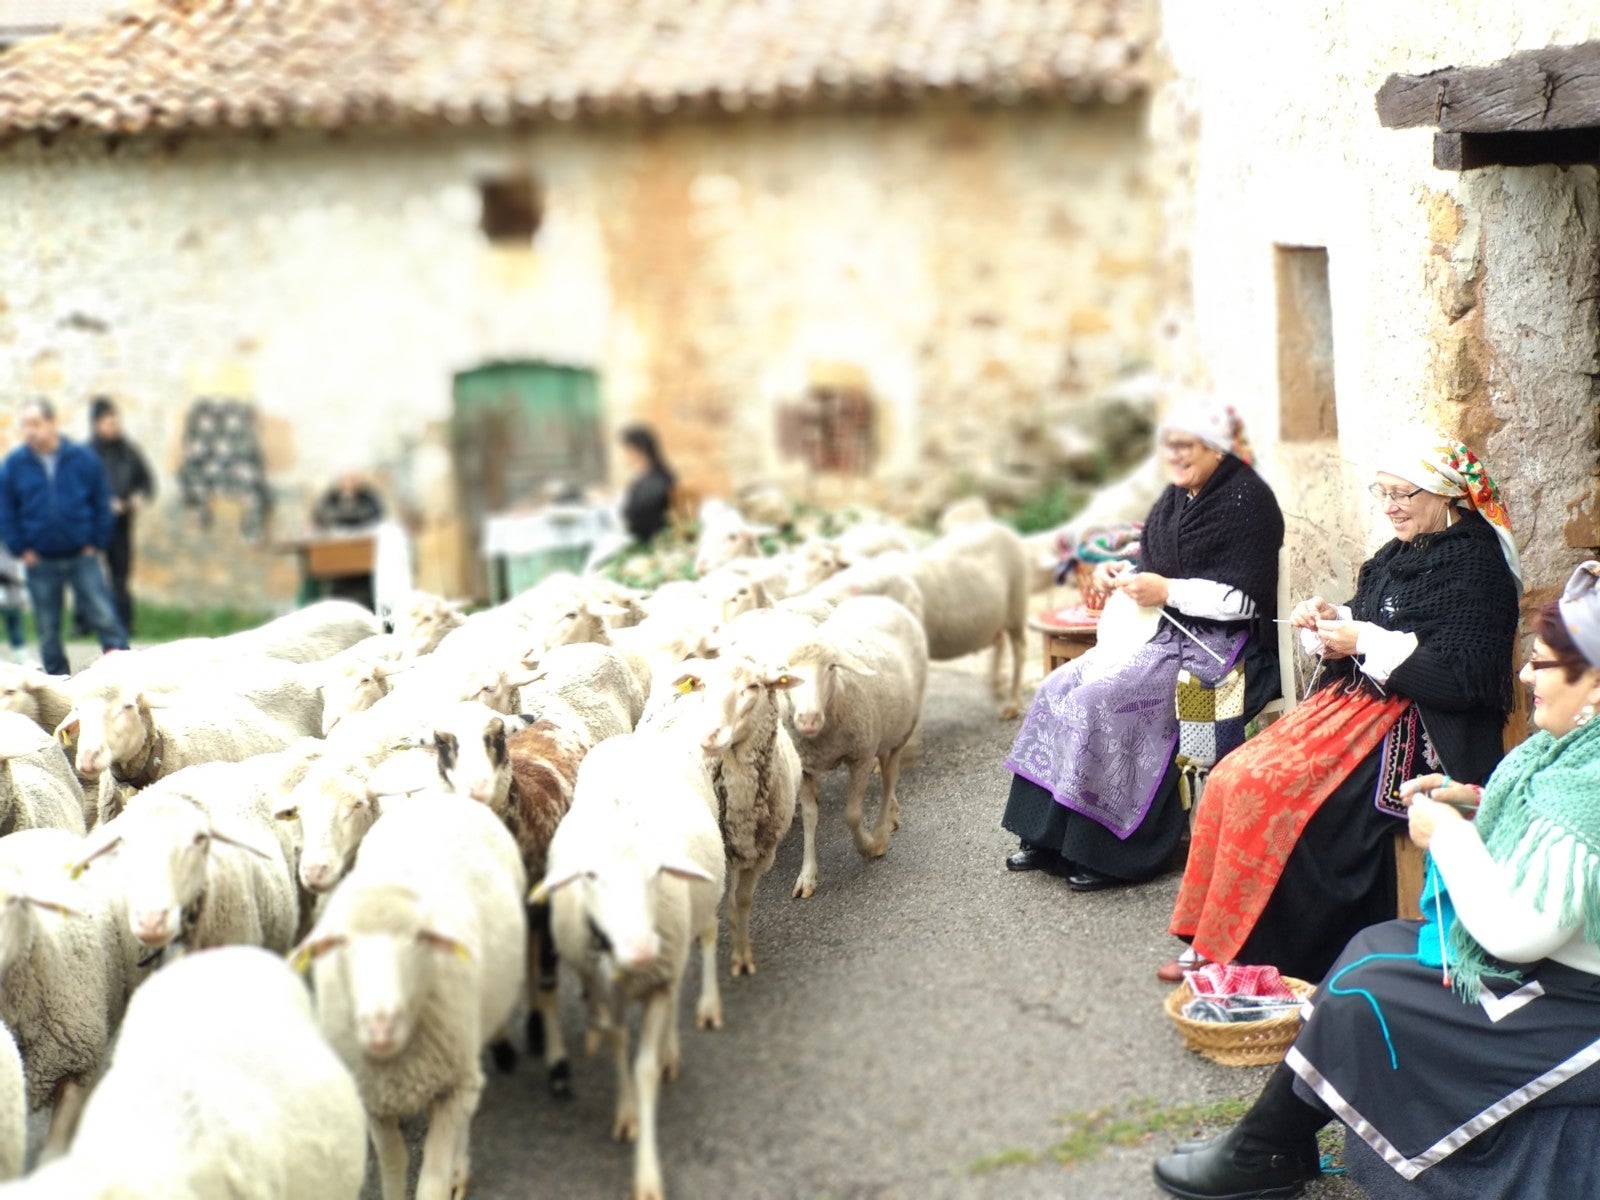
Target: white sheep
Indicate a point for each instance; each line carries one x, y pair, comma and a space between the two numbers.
815, 562
422, 620
636, 872
37, 787
732, 711
526, 777
725, 536
587, 685
13, 1107
974, 586
138, 737
67, 968
870, 539
220, 1085
43, 699
200, 861
886, 575
418, 961
857, 702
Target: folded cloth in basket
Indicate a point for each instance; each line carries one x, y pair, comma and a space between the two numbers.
1217, 979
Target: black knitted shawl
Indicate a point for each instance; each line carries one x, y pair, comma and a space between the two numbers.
1454, 591
1229, 532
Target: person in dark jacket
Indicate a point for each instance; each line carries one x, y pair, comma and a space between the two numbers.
351, 503
55, 515
648, 502
132, 486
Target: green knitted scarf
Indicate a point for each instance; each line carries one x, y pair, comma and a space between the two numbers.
1546, 793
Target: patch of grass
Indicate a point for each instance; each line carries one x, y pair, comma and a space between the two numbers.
165, 623
1017, 1156
1089, 1134
1045, 511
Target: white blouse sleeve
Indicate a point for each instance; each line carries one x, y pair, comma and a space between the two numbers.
1206, 598
1382, 650
1500, 915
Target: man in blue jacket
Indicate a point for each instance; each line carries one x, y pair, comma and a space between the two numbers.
55, 515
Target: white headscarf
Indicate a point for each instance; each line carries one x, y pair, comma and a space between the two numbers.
1216, 424
1440, 464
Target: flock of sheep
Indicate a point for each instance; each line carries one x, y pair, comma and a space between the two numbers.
373, 808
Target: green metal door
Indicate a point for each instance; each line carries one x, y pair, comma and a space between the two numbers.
520, 427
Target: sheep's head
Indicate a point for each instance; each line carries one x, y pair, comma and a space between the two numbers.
582, 621
495, 687
734, 692
422, 620
470, 744
723, 541
22, 896
617, 893
818, 561
20, 688
113, 726
163, 843
335, 805
353, 688
380, 939
740, 595
815, 670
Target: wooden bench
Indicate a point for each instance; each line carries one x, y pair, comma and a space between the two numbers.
1062, 643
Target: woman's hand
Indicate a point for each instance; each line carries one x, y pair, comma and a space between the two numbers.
1339, 637
1105, 575
1307, 613
1427, 816
1144, 588
1442, 788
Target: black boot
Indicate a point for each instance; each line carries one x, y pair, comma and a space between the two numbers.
1028, 858
1271, 1152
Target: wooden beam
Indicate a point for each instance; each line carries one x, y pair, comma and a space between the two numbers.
1558, 147
1557, 87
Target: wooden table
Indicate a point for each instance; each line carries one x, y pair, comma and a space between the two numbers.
1062, 643
328, 558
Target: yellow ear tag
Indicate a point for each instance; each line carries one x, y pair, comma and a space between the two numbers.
462, 953
539, 895
301, 960
64, 737
76, 870
686, 687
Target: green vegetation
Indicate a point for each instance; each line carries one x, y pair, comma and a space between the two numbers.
1047, 510
166, 623
1086, 1135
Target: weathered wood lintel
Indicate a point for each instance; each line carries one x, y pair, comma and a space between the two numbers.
1559, 147
1557, 87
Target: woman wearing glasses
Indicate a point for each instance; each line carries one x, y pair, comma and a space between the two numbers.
1095, 793
1484, 1086
1293, 845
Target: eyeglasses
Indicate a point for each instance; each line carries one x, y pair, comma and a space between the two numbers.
1379, 492
1182, 449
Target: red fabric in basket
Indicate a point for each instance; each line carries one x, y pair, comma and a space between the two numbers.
1215, 979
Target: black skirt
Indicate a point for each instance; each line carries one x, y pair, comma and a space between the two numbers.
1422, 1077
1151, 849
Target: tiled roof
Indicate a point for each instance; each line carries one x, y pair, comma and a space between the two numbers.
254, 64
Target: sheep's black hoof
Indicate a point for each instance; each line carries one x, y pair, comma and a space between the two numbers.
535, 1035
504, 1055
561, 1080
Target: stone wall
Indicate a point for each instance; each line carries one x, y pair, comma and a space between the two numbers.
1463, 300
983, 272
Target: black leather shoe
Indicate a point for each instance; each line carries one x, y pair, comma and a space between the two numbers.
1228, 1169
1194, 1144
1029, 858
1085, 880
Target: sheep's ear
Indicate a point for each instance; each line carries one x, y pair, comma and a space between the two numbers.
551, 884
688, 682
289, 812
532, 675
682, 868
604, 608
35, 680
149, 700
443, 941
313, 948
848, 662
53, 905
105, 847
67, 731
239, 844
783, 679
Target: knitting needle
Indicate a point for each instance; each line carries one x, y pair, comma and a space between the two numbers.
1222, 661
1438, 914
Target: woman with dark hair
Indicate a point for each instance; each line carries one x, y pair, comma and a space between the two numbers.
1483, 1086
1293, 847
648, 502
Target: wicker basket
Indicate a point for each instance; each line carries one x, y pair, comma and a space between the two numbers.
1238, 1043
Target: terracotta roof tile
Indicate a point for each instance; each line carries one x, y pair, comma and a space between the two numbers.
181, 64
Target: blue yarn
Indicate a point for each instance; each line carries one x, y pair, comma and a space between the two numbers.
1335, 990
1430, 942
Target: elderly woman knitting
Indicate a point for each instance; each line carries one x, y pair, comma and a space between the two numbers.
1293, 850
1095, 796
1480, 1087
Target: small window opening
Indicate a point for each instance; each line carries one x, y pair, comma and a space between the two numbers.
513, 208
831, 428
